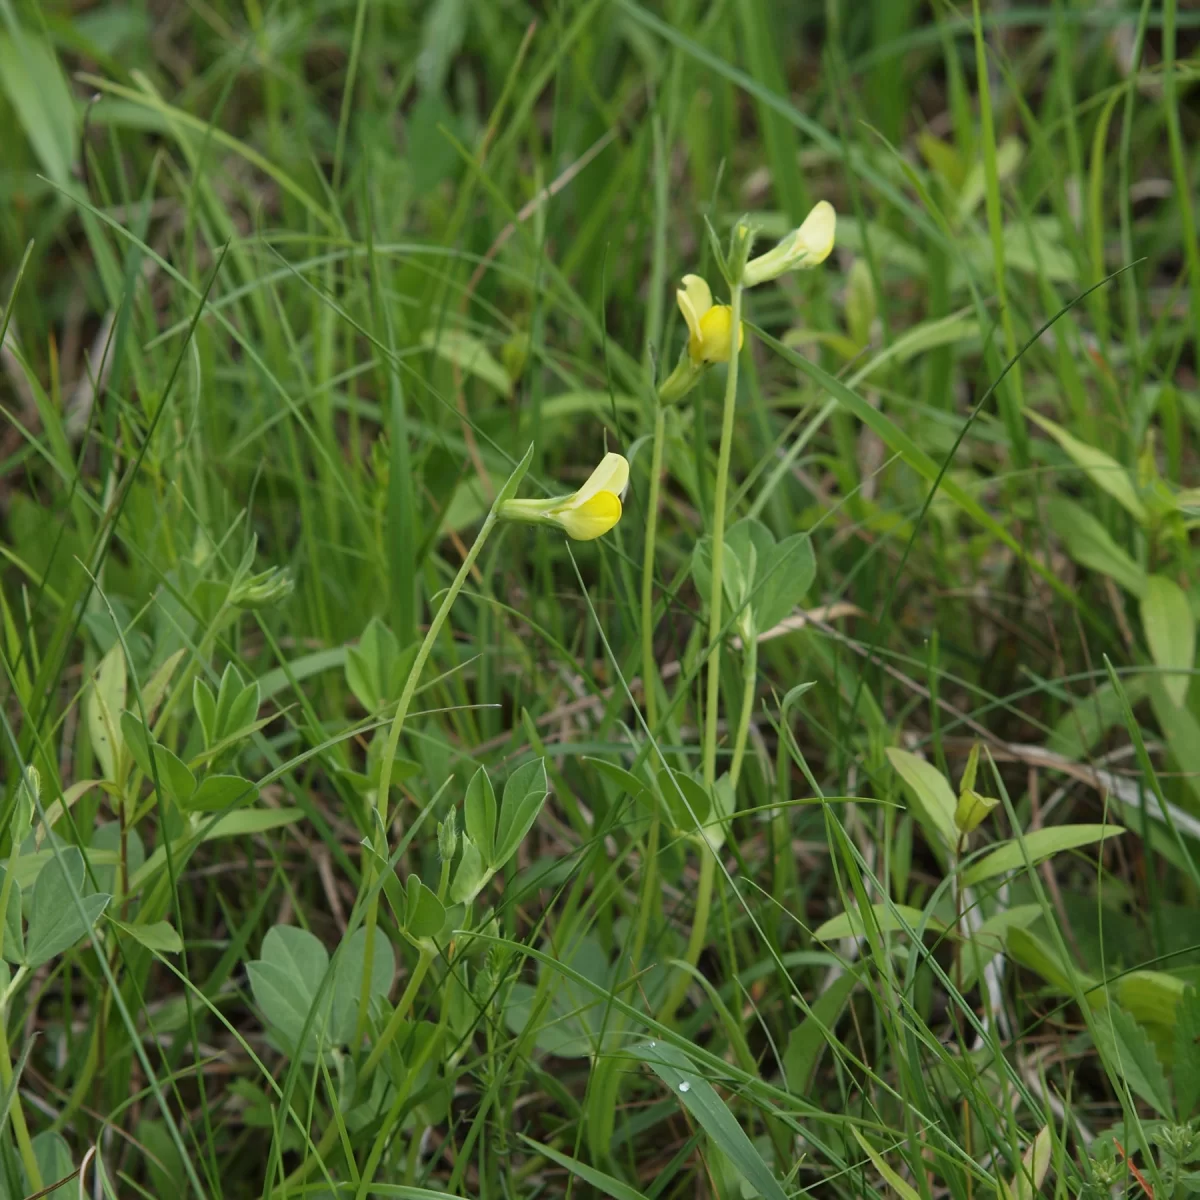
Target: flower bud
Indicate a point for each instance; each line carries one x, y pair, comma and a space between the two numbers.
971, 810
806, 247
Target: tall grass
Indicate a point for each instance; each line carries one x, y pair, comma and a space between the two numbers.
360, 841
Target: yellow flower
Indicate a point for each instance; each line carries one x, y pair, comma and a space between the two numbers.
806, 247
584, 515
710, 326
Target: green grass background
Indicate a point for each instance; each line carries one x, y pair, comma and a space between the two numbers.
317, 274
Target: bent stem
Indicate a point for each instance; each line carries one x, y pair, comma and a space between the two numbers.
649, 666
708, 859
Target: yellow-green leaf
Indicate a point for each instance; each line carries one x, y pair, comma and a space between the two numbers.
933, 800
1170, 633
1039, 844
1102, 469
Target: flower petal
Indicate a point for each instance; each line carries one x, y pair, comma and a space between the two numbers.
716, 328
814, 239
695, 299
612, 475
593, 518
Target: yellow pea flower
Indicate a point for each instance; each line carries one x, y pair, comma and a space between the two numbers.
803, 248
584, 515
710, 326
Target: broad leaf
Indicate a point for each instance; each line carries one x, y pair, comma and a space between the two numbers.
1129, 1056
285, 983
54, 1163
479, 815
1039, 844
103, 707
1090, 544
1102, 469
524, 794
681, 793
369, 665
160, 936
348, 979
14, 934
933, 801
1187, 1054
217, 793
1170, 632
424, 912
56, 921
173, 774
471, 874
783, 580
889, 918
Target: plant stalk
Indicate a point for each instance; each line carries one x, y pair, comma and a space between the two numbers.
649, 665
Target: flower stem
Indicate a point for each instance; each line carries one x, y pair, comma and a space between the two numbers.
649, 666
750, 671
393, 742
708, 856
716, 593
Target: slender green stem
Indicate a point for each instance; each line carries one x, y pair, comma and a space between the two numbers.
410, 684
713, 697
16, 1114
750, 671
708, 857
649, 665
393, 742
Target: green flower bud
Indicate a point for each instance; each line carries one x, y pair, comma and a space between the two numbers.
971, 810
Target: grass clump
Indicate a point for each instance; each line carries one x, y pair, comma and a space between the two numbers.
540, 661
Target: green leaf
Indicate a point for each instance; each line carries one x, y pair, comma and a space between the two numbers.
890, 918
173, 773
205, 704
471, 874
524, 794
1170, 632
808, 1039
217, 793
513, 482
625, 781
1035, 1163
902, 1189
247, 821
160, 936
424, 912
104, 704
285, 982
34, 83
348, 973
469, 354
479, 815
607, 1185
1091, 545
1129, 1056
369, 666
783, 580
1030, 951
1039, 844
1186, 1066
55, 920
14, 934
54, 1163
933, 801
699, 1097
1102, 469
671, 784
